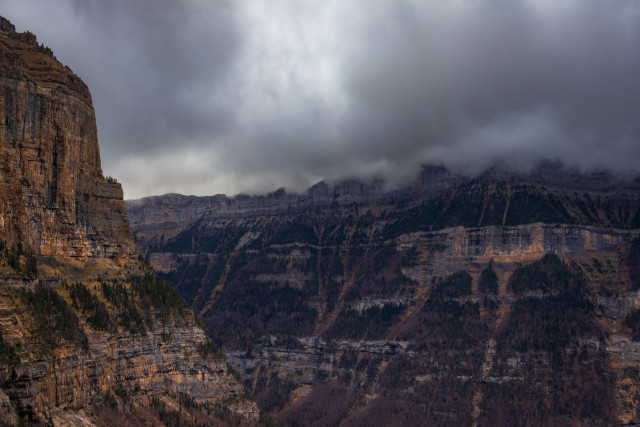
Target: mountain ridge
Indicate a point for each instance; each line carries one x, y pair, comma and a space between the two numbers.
433, 181
498, 299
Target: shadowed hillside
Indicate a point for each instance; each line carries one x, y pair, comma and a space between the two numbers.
503, 299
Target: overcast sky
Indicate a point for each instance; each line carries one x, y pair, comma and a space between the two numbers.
207, 96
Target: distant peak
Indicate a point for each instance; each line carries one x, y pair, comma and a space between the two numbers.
280, 192
6, 26
9, 30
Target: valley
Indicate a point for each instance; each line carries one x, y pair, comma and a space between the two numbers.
501, 299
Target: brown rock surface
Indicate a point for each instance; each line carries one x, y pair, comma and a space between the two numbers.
165, 361
55, 199
92, 358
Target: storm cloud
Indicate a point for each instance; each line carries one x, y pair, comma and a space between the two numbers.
205, 97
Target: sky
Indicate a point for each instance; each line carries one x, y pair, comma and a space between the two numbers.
220, 96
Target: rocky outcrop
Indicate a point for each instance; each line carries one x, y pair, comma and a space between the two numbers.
55, 199
163, 362
452, 249
88, 335
162, 218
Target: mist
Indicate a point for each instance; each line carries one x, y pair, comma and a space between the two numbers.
224, 97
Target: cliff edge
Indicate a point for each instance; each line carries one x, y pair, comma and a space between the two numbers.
55, 199
88, 334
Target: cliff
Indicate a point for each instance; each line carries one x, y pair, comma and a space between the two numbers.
168, 215
507, 298
55, 199
436, 199
88, 335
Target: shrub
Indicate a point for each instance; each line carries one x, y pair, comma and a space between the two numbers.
8, 354
488, 282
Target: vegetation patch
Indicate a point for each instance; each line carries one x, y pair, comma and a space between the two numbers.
633, 262
444, 399
8, 355
273, 393
632, 320
378, 273
157, 295
328, 404
84, 300
21, 260
209, 349
371, 323
528, 205
576, 387
561, 376
54, 322
295, 232
445, 324
488, 282
122, 299
549, 274
454, 286
247, 311
547, 323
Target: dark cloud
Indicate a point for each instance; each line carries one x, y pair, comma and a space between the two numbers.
204, 97
166, 59
153, 66
472, 81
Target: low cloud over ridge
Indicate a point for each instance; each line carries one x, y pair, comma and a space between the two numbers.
208, 97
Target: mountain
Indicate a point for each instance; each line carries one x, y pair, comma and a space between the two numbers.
88, 334
505, 298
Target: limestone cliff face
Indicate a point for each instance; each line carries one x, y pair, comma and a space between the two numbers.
501, 299
164, 217
452, 249
436, 199
165, 361
88, 335
54, 197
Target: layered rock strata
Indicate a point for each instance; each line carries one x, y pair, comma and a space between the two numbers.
88, 336
54, 197
437, 303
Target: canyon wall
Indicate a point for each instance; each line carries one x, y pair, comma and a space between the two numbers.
88, 334
55, 199
507, 298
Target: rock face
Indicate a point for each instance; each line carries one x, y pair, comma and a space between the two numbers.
501, 299
168, 215
436, 199
165, 361
452, 249
88, 335
54, 197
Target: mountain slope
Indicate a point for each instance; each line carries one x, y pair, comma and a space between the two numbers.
439, 301
88, 334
